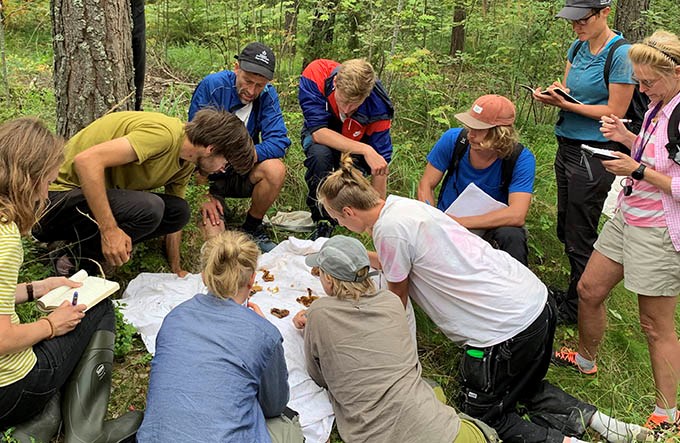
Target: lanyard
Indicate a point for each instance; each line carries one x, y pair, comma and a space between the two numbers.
645, 135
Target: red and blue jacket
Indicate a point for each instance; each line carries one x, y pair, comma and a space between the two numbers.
369, 124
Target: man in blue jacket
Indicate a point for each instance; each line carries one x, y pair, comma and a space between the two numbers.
246, 92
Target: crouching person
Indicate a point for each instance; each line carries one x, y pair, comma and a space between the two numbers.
219, 373
358, 346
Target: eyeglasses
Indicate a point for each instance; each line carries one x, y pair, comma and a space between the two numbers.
584, 21
646, 83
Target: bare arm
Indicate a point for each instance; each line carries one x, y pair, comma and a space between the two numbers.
374, 260
626, 165
401, 289
341, 143
429, 181
514, 215
90, 166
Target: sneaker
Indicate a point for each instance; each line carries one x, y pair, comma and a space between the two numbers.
661, 427
567, 357
324, 228
262, 239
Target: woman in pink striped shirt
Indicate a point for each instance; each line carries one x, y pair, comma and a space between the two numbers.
641, 244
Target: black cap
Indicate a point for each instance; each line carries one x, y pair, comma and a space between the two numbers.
578, 9
258, 59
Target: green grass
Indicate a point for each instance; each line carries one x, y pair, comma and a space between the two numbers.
426, 96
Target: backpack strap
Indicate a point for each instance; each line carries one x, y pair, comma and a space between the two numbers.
572, 55
459, 148
673, 126
508, 167
608, 62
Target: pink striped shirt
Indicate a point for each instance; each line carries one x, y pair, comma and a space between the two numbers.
644, 192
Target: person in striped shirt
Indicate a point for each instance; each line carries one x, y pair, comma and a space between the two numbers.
38, 358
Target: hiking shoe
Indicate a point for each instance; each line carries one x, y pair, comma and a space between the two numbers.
262, 239
661, 427
567, 357
324, 228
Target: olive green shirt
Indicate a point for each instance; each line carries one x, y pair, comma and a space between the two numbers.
155, 138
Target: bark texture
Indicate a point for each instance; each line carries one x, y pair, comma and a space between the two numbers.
93, 70
630, 19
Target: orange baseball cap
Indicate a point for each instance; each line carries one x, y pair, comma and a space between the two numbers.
488, 111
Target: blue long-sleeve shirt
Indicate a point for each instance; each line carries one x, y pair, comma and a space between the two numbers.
219, 370
265, 125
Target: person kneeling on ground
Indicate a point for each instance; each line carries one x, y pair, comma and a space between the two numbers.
358, 346
68, 351
235, 388
485, 152
482, 299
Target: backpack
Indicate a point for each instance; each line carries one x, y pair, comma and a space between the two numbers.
638, 103
673, 145
460, 147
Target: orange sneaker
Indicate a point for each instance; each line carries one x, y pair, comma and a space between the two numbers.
567, 357
662, 428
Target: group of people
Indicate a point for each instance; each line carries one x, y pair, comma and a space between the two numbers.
94, 194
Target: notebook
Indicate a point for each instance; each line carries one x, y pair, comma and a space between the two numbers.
93, 290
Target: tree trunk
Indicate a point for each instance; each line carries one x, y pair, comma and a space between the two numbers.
93, 71
320, 41
290, 26
630, 19
458, 29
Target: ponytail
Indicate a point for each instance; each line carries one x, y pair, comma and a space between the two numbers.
347, 187
228, 261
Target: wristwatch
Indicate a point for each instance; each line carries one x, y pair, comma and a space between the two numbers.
639, 173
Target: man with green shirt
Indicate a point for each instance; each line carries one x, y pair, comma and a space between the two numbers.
100, 202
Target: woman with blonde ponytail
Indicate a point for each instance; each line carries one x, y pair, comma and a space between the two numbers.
219, 373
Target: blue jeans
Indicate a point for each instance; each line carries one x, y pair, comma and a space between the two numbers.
56, 359
495, 379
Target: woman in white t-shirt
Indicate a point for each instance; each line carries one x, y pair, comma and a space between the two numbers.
482, 299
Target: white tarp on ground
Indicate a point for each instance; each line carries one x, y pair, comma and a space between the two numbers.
150, 297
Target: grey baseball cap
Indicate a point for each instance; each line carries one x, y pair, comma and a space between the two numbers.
578, 9
342, 257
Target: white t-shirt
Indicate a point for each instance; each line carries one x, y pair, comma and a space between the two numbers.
243, 113
477, 295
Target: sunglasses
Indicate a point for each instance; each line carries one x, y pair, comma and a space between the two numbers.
584, 21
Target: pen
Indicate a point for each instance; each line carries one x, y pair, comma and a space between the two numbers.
623, 120
75, 298
427, 202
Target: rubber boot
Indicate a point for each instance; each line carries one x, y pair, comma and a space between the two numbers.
42, 427
86, 397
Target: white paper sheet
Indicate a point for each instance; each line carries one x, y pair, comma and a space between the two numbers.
473, 201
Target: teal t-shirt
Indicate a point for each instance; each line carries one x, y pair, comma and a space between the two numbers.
586, 83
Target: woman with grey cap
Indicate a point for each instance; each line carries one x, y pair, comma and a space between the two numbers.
358, 346
583, 183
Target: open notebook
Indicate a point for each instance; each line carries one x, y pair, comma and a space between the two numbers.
93, 290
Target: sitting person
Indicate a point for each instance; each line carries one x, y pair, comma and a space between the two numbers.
247, 93
101, 200
235, 388
482, 299
345, 109
68, 350
358, 346
487, 154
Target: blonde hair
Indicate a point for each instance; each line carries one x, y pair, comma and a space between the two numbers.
347, 187
228, 260
346, 290
501, 139
660, 52
355, 80
28, 153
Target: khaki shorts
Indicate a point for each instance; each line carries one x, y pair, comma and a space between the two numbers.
285, 430
651, 265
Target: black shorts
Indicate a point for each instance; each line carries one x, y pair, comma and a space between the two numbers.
230, 184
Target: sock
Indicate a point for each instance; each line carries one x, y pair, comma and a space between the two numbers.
251, 223
612, 429
669, 413
584, 363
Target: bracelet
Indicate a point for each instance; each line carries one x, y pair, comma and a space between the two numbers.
51, 327
29, 291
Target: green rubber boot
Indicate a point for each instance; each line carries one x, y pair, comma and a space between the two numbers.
42, 427
86, 397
